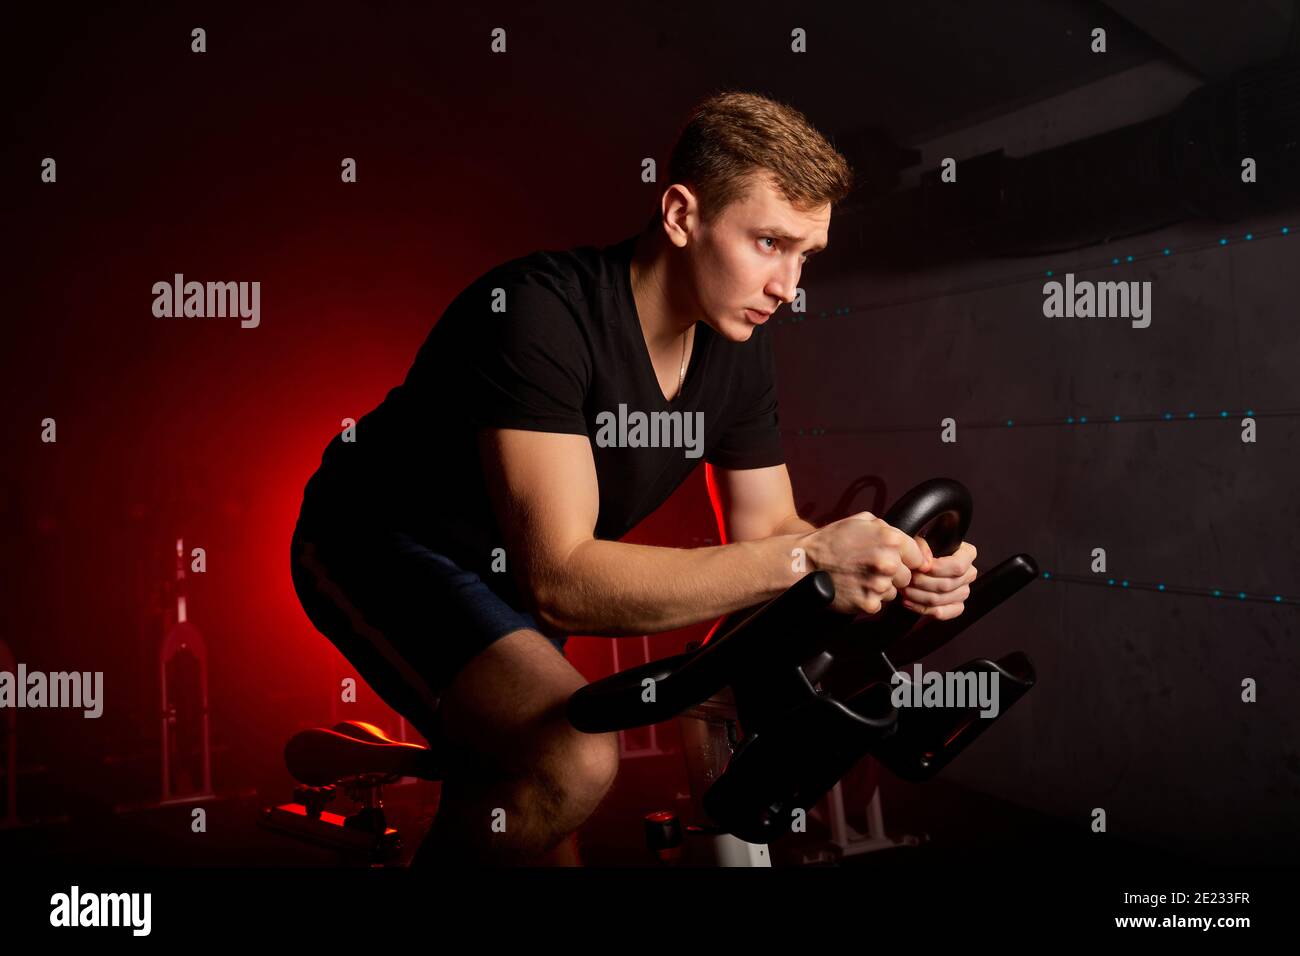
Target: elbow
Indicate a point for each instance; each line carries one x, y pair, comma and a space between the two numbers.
542, 603
544, 598
551, 616
551, 597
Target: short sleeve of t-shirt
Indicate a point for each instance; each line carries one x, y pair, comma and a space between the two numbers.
532, 366
753, 439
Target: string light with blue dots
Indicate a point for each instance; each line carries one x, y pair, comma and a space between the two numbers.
1126, 418
796, 318
1161, 587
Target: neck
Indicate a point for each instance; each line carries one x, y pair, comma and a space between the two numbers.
663, 320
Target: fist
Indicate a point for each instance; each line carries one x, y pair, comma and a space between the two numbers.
939, 587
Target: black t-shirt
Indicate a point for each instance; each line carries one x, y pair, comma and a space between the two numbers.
558, 349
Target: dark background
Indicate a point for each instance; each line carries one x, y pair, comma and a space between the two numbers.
225, 166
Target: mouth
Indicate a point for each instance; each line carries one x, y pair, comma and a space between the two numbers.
757, 316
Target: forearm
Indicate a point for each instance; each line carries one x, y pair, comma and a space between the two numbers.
613, 589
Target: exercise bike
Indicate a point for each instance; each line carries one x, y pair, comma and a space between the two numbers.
776, 705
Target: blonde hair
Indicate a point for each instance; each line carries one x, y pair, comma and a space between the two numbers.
733, 135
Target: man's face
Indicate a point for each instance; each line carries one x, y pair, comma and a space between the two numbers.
750, 258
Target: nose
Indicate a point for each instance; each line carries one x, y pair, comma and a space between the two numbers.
784, 283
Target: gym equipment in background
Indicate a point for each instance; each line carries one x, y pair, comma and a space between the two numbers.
186, 734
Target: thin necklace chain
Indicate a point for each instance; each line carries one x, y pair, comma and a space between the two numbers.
681, 373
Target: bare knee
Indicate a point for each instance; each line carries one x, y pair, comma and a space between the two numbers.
505, 722
596, 759
579, 769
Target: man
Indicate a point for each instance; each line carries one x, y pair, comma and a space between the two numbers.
474, 520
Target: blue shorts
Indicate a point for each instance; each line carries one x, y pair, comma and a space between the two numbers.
407, 618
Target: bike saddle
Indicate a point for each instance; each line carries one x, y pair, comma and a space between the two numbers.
319, 757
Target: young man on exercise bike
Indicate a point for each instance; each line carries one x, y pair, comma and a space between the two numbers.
473, 522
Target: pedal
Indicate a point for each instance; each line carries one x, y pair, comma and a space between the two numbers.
362, 835
314, 799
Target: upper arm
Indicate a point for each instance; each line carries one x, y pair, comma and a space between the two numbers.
527, 370
546, 500
751, 502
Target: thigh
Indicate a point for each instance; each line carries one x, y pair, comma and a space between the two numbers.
406, 617
506, 710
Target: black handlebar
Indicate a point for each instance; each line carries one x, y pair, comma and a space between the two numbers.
808, 682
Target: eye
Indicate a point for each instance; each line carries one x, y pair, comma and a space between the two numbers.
802, 259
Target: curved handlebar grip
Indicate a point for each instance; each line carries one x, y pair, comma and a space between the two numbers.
944, 504
941, 510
